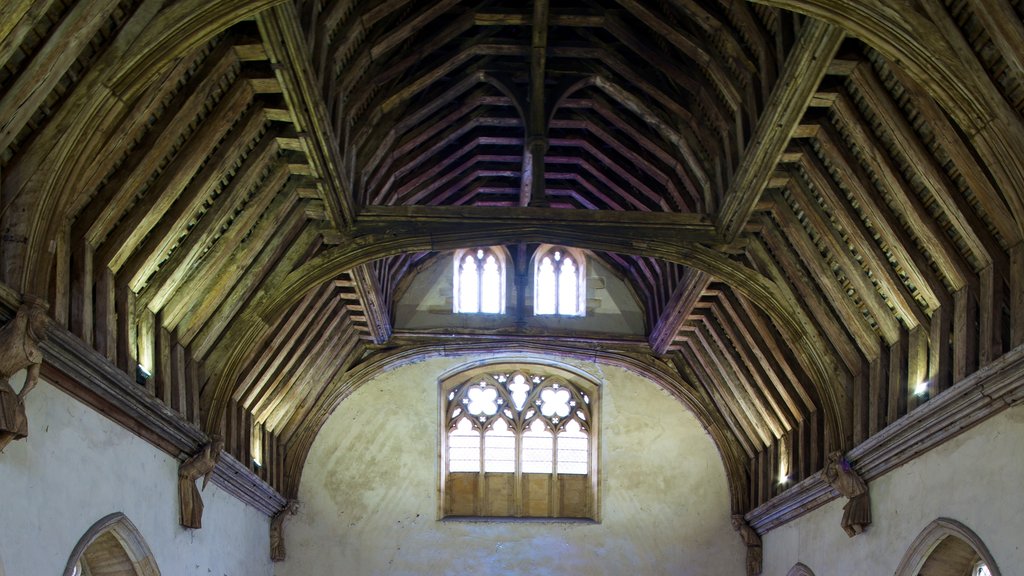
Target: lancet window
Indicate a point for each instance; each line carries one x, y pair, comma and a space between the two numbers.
479, 281
559, 282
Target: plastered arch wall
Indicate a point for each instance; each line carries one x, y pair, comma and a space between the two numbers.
369, 491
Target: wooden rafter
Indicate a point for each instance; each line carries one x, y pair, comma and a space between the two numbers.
678, 309
803, 71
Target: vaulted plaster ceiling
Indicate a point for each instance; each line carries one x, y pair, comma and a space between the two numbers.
817, 213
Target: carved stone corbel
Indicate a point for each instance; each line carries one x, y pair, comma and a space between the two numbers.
277, 550
19, 348
839, 474
752, 541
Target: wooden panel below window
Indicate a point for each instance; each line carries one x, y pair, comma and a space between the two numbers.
494, 495
498, 495
461, 494
574, 496
537, 495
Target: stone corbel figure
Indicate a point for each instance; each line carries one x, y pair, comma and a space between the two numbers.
277, 551
19, 348
199, 465
840, 475
752, 541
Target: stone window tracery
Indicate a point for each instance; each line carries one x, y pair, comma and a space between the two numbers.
518, 441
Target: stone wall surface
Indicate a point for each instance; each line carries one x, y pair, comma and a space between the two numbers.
369, 493
77, 466
974, 479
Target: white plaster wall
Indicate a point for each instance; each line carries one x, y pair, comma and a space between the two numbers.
974, 478
369, 493
78, 466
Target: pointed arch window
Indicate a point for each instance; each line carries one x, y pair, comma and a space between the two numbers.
559, 286
518, 441
479, 281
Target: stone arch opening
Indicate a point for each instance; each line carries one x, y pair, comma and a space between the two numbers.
800, 569
947, 548
113, 546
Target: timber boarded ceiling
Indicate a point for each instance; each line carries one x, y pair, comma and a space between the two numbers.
233, 194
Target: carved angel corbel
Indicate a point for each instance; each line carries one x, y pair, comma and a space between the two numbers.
839, 474
199, 465
19, 348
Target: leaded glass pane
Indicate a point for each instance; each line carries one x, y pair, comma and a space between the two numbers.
519, 390
490, 287
538, 449
469, 283
555, 402
568, 294
499, 448
573, 448
545, 302
483, 400
464, 448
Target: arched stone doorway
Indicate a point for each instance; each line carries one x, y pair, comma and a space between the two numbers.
800, 569
113, 546
947, 548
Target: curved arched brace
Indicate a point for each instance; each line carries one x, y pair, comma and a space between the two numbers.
101, 101
127, 535
932, 536
921, 38
799, 569
638, 107
517, 102
642, 364
366, 245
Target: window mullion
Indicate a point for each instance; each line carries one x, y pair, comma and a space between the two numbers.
517, 484
556, 501
480, 286
478, 506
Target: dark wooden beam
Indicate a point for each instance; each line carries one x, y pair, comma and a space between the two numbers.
803, 71
664, 226
678, 308
531, 189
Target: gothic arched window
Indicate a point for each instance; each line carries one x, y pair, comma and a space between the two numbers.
518, 441
479, 281
559, 282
